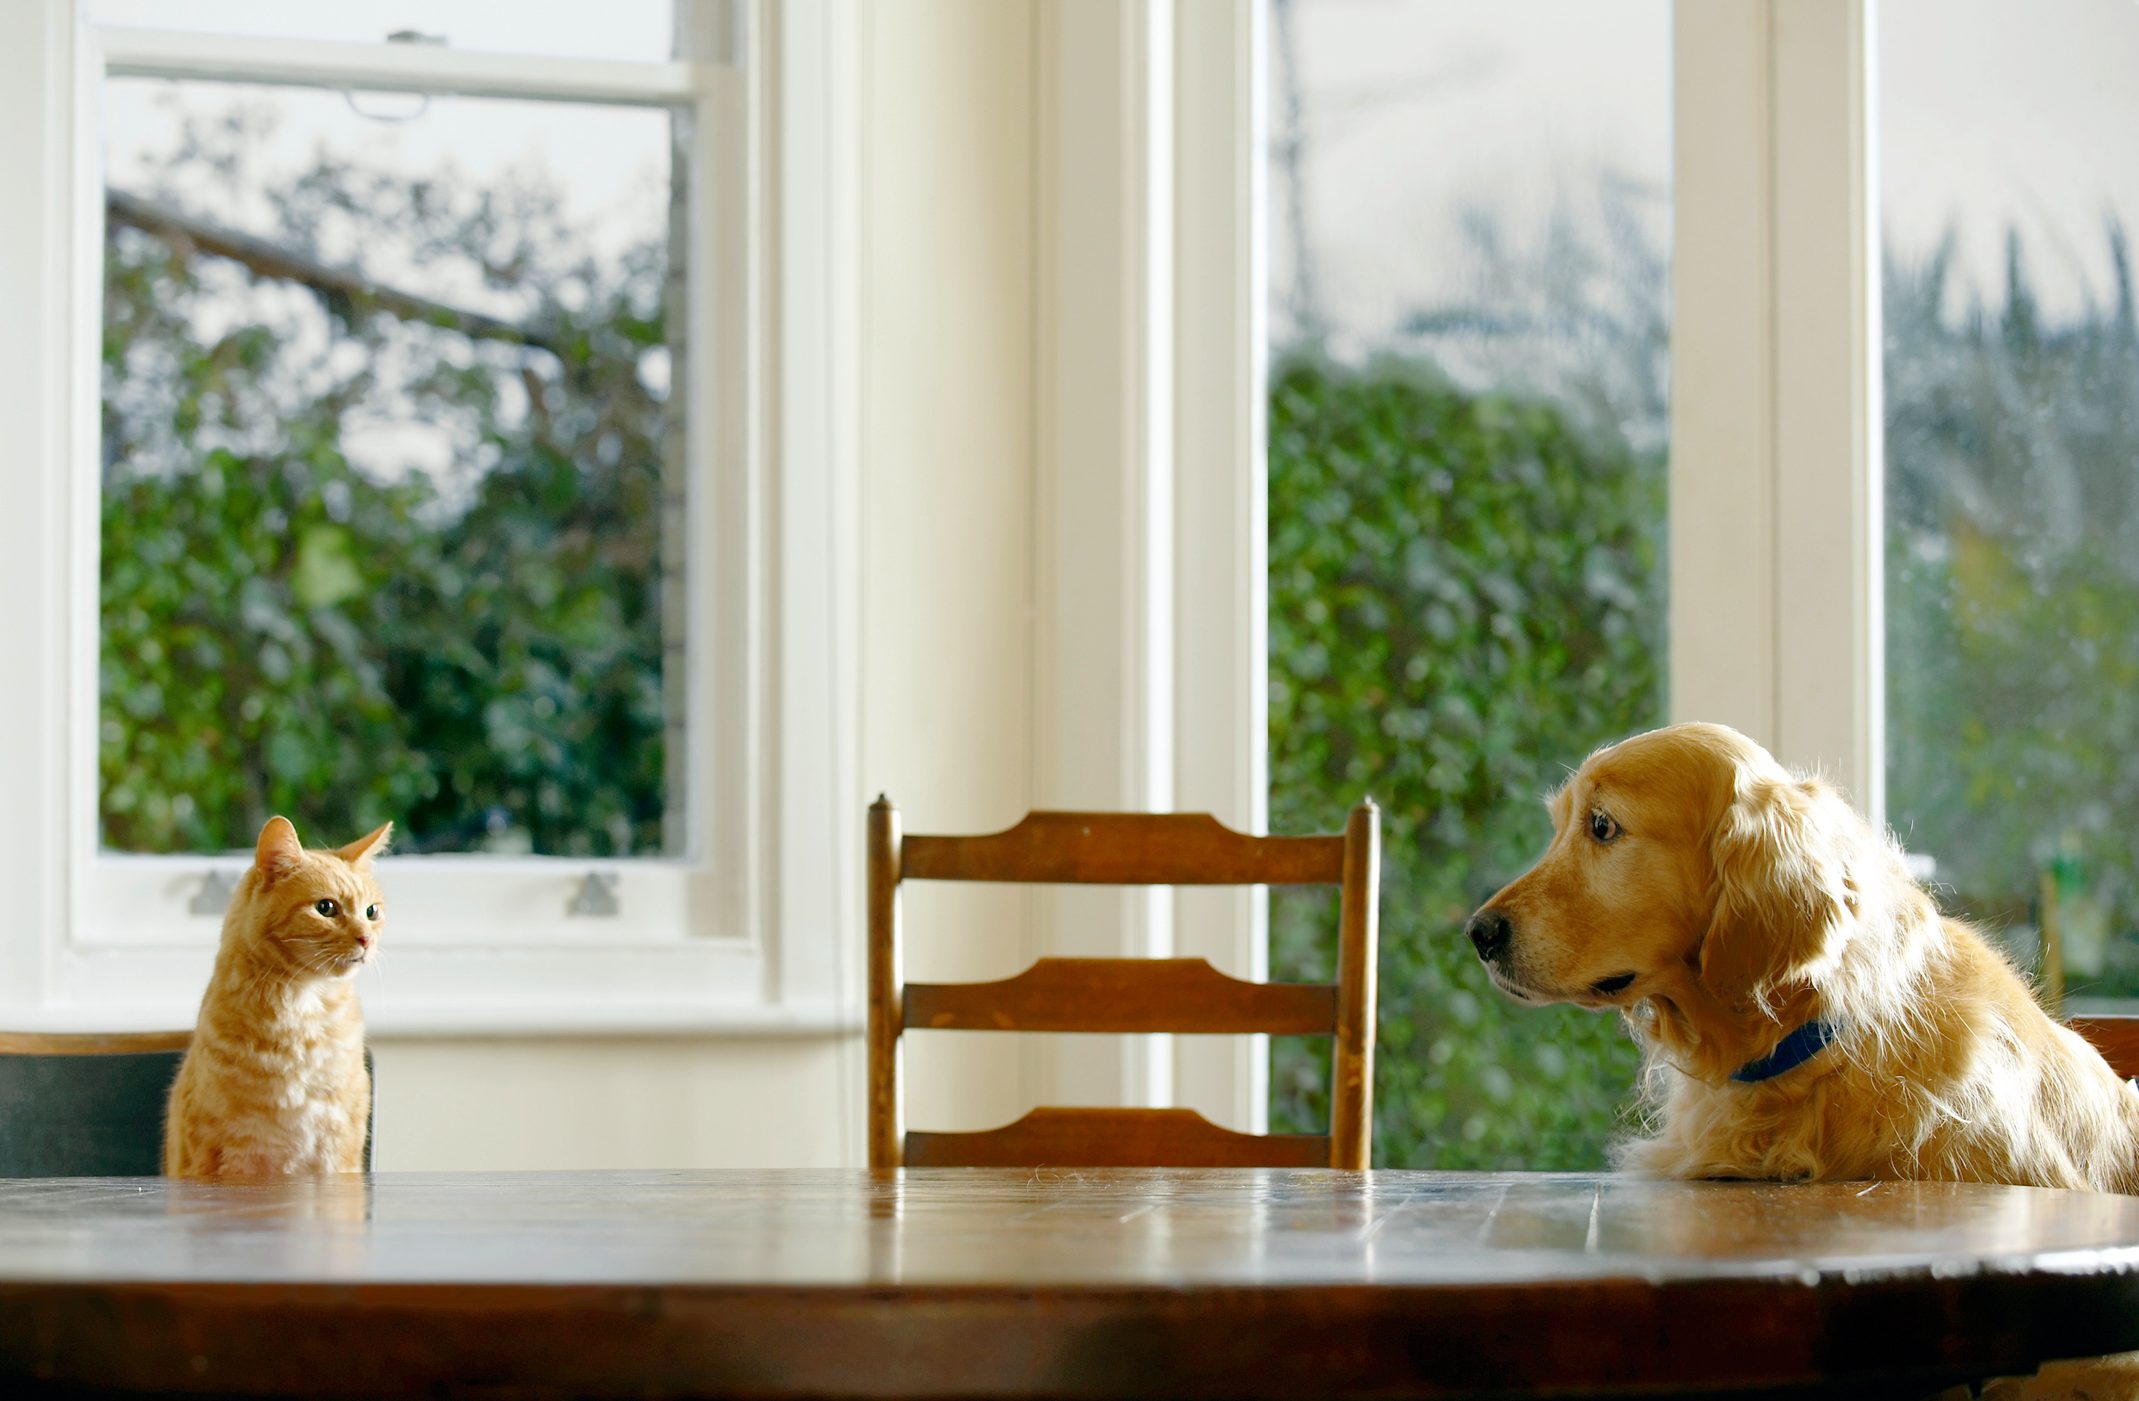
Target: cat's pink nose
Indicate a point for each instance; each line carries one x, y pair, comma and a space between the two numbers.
363, 941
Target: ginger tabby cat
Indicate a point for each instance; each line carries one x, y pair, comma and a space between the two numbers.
274, 1082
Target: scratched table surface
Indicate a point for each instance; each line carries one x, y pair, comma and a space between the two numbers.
1060, 1284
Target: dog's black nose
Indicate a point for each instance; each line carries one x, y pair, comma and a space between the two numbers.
1490, 931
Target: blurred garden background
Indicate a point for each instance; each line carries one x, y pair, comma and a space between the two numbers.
1469, 216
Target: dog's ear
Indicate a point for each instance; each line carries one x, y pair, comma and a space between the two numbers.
1783, 900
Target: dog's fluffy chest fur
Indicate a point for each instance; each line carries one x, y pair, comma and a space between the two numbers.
1969, 1081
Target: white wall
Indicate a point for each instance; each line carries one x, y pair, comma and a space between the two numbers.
947, 504
946, 460
602, 1102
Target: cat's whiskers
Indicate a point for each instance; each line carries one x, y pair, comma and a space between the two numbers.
378, 966
329, 964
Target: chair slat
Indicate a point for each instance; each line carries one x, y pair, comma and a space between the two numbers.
1052, 1137
1125, 848
1181, 995
2117, 1038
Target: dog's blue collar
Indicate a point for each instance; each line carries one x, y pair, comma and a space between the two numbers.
1794, 1050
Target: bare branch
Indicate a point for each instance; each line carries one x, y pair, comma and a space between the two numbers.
341, 288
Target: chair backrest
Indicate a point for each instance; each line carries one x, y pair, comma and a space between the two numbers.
2117, 1038
1132, 995
91, 1105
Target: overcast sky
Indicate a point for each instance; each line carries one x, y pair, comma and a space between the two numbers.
1996, 114
1993, 114
1421, 113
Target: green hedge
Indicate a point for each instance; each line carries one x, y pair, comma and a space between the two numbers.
474, 653
2012, 577
1466, 597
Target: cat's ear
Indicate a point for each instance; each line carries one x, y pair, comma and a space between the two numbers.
279, 851
360, 851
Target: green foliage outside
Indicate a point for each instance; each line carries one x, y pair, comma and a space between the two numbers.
475, 653
2013, 606
1466, 597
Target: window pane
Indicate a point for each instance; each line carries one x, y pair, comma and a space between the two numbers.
2012, 495
1469, 229
388, 451
619, 29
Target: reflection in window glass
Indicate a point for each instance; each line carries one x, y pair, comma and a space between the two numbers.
2012, 494
386, 428
1469, 228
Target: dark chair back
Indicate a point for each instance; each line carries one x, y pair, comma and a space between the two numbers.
2116, 1037
92, 1105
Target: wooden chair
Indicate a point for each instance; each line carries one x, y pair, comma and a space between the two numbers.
1127, 995
91, 1105
2117, 1038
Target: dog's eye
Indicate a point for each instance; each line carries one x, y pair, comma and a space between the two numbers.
328, 908
1602, 828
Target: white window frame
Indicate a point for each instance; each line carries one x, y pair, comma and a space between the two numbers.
1152, 596
1777, 432
751, 927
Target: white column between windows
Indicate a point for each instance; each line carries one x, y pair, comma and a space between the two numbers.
1221, 605
1151, 653
1103, 542
1776, 609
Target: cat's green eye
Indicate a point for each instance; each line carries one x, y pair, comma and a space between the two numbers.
371, 912
328, 908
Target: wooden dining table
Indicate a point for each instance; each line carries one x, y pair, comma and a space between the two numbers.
1052, 1283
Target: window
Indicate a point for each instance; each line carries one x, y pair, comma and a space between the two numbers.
2012, 501
393, 513
423, 474
1470, 231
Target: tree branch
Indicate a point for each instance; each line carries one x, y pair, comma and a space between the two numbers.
340, 288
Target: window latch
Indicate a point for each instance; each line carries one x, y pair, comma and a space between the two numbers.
596, 896
212, 896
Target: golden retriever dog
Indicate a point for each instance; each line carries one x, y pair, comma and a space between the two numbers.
1806, 1011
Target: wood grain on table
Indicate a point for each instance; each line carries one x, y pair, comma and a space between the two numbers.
975, 1282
